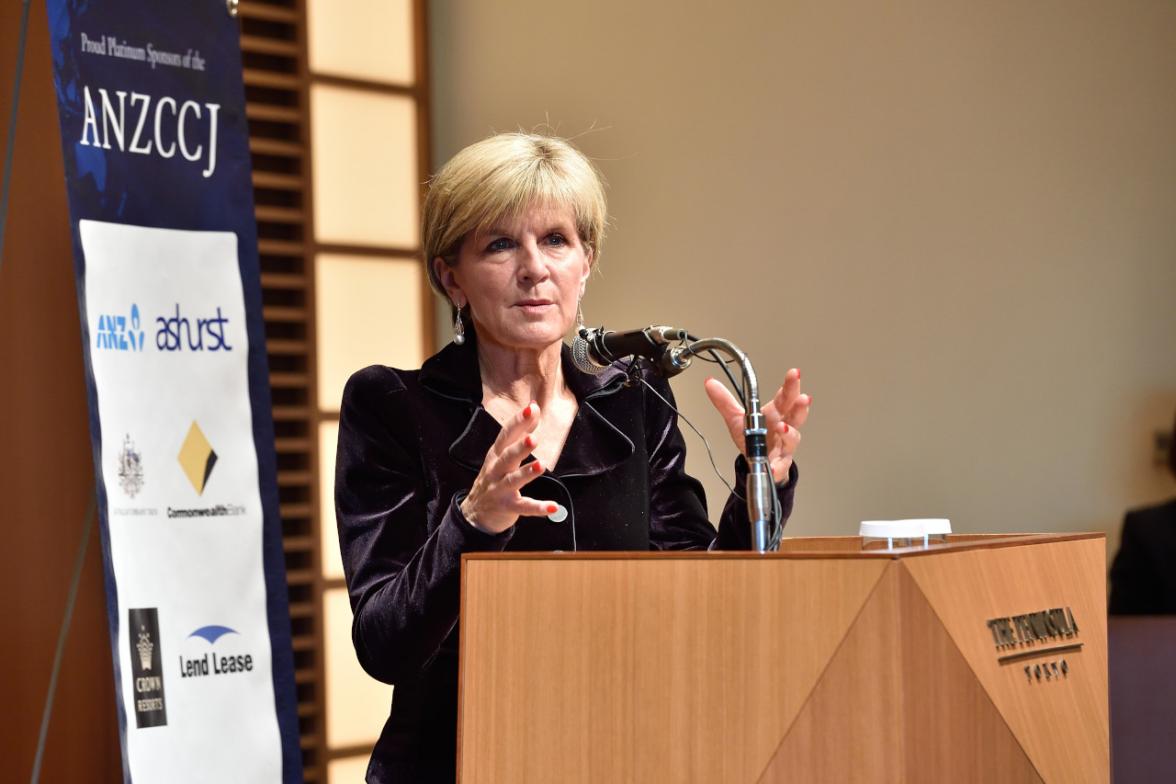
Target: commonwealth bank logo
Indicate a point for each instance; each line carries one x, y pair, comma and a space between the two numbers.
197, 458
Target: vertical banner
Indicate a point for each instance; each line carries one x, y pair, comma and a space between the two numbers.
152, 111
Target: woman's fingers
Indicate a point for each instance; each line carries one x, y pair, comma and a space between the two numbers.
509, 448
494, 502
785, 439
521, 476
529, 507
785, 412
780, 468
523, 422
513, 455
799, 411
723, 400
784, 399
781, 447
728, 407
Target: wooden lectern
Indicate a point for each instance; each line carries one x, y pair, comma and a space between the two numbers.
982, 659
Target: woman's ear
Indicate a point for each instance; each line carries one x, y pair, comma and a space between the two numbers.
588, 258
448, 280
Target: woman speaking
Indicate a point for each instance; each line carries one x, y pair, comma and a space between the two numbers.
499, 443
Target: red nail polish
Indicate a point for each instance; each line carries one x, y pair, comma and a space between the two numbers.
536, 468
530, 442
798, 374
552, 508
527, 411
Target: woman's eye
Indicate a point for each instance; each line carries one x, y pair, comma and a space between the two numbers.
556, 239
500, 244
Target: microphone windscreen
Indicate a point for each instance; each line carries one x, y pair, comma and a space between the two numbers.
582, 357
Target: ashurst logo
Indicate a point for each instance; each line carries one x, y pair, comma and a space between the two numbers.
141, 124
212, 662
146, 667
130, 468
177, 332
116, 332
197, 458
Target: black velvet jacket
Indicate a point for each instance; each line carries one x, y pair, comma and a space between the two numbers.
410, 445
1143, 574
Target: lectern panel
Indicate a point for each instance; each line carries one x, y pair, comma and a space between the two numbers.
853, 719
643, 670
898, 703
1034, 632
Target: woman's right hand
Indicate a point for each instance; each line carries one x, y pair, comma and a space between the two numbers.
494, 503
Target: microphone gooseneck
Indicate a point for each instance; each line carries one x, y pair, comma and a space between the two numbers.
761, 492
669, 351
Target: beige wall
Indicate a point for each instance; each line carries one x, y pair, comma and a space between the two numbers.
958, 218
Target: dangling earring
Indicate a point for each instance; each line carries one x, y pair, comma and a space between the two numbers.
579, 316
458, 330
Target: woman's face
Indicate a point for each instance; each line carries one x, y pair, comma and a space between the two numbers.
523, 278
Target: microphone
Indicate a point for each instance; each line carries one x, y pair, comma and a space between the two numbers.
595, 348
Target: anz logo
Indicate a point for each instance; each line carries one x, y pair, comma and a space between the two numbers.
118, 332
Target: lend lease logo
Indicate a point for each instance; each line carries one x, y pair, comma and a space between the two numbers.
118, 332
212, 662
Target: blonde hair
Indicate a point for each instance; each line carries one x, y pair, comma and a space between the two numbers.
498, 178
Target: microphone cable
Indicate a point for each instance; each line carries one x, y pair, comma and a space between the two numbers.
710, 455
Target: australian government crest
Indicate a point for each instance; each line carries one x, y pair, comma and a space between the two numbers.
130, 468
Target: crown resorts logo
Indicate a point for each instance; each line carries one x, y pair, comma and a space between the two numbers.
145, 648
197, 458
130, 468
146, 667
119, 333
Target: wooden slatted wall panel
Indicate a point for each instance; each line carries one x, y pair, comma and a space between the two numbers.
273, 46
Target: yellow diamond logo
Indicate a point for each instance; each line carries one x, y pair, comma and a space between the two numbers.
197, 458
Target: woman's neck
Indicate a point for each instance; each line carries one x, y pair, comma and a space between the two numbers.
520, 376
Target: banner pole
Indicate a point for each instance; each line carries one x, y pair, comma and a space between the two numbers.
59, 654
20, 56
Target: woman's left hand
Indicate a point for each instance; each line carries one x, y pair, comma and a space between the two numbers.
784, 413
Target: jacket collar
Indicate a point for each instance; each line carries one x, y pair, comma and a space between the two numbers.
594, 444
